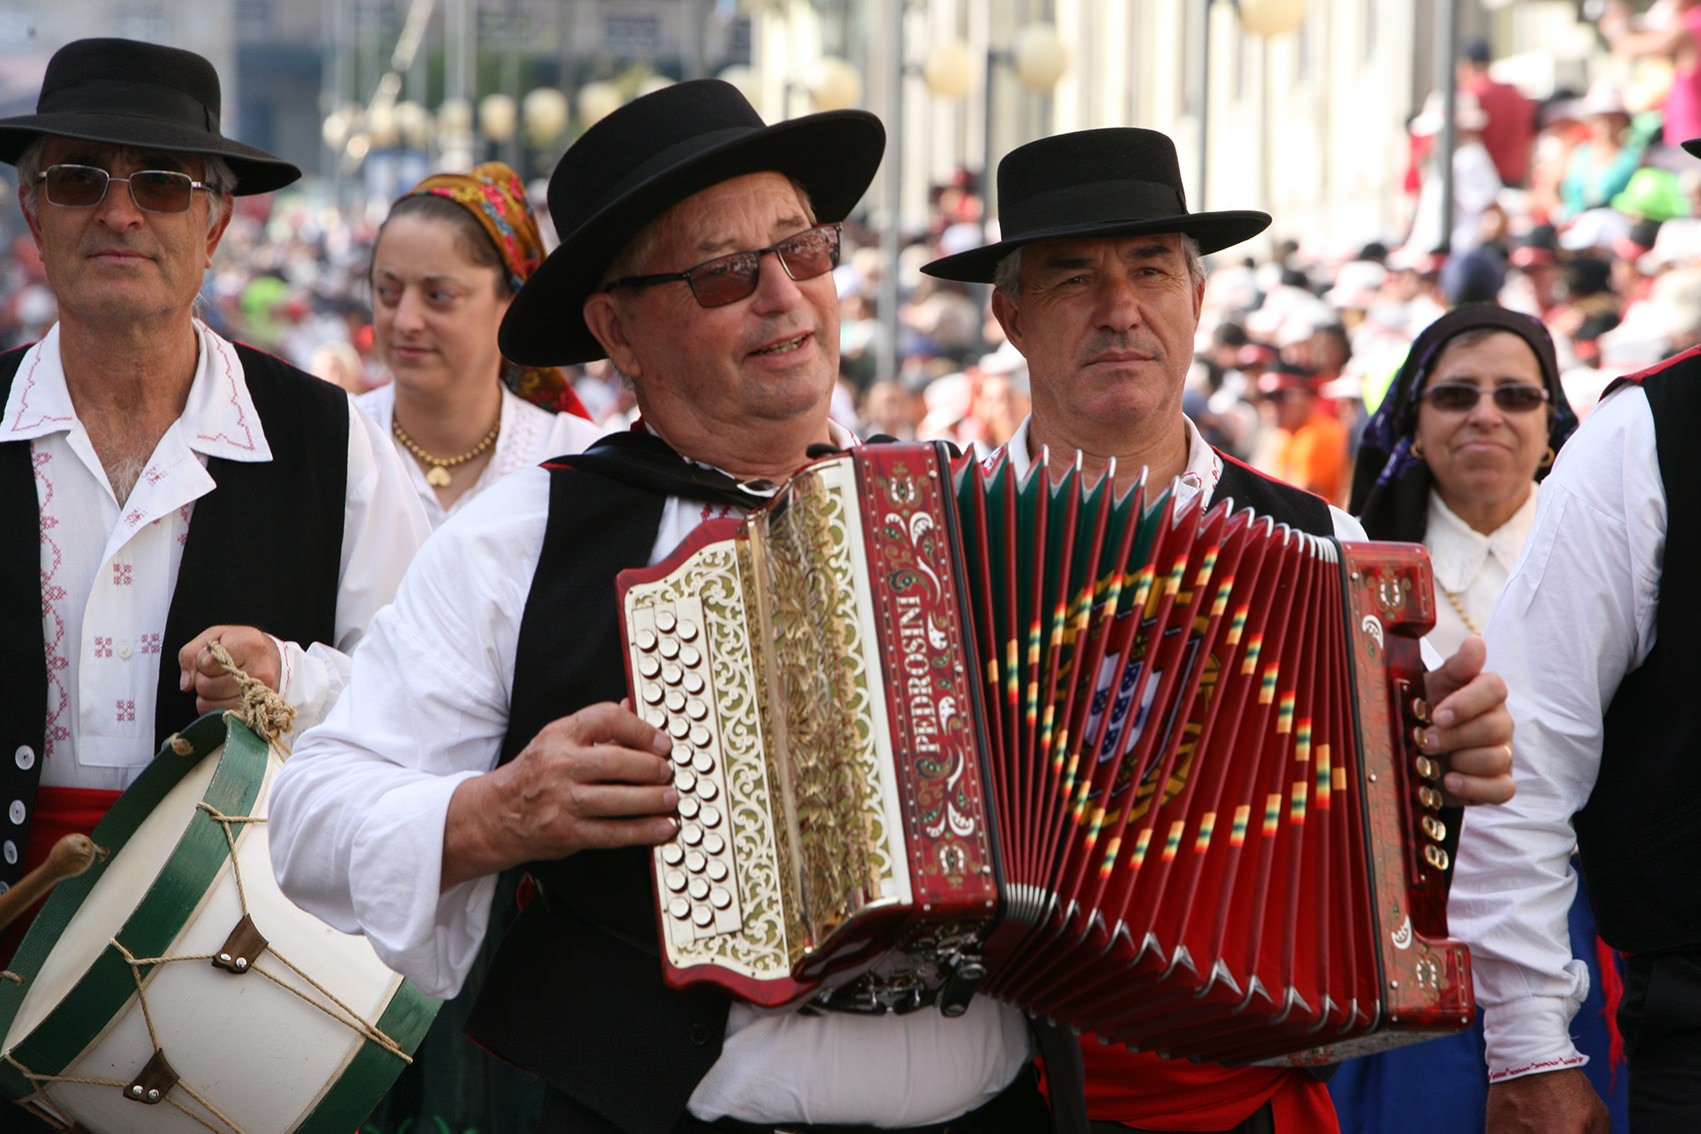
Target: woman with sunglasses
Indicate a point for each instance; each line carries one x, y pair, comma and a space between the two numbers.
1451, 460
448, 259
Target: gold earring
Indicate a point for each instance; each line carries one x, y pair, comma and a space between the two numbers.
1417, 449
1547, 458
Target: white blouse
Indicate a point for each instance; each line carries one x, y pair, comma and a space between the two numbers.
1471, 569
529, 436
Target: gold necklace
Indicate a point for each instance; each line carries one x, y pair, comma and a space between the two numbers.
1454, 599
438, 476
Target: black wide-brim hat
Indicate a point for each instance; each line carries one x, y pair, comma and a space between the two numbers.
1121, 181
144, 96
645, 158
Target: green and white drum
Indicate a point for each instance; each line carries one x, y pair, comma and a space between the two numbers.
173, 987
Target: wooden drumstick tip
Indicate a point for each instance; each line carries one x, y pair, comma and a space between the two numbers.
70, 856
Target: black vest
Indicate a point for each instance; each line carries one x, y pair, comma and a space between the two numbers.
264, 549
1282, 502
1640, 833
575, 994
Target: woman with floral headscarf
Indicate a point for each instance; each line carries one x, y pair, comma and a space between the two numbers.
448, 259
1451, 460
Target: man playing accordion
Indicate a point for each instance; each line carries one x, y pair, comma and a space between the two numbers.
1098, 282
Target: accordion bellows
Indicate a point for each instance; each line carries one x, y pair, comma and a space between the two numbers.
1142, 768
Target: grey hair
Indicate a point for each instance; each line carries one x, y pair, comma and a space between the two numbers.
1007, 276
216, 175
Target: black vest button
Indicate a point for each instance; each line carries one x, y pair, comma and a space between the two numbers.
699, 1034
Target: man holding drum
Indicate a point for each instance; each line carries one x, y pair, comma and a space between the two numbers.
1098, 282
183, 489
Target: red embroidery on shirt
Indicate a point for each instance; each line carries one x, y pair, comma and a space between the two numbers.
102, 647
154, 475
126, 712
123, 574
134, 517
24, 399
151, 643
247, 439
52, 595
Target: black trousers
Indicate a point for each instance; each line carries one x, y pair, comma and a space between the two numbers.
1661, 1022
1020, 1109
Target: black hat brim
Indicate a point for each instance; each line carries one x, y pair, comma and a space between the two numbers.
1212, 231
1693, 146
256, 170
833, 155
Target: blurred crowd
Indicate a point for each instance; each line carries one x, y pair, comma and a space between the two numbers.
1579, 209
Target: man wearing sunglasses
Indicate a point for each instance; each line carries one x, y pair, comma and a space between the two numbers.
1594, 635
483, 728
1098, 282
180, 488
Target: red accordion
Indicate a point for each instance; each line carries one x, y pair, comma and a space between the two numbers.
1140, 767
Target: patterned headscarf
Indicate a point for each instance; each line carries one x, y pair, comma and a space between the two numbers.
1391, 484
493, 195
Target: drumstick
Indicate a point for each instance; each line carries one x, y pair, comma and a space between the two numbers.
69, 857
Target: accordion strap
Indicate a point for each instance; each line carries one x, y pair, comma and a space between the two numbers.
646, 461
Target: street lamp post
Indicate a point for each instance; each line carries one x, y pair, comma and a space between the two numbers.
1266, 19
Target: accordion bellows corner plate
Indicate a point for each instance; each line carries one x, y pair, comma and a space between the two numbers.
1139, 767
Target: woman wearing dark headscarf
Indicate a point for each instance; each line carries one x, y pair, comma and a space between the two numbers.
1451, 460
448, 259
1452, 456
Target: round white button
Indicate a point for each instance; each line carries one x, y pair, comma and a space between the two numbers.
672, 854
699, 889
707, 790
16, 812
675, 880
10, 850
717, 871
125, 650
720, 899
702, 917
714, 844
25, 756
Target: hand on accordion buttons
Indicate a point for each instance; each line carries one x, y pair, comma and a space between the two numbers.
253, 651
1472, 728
599, 778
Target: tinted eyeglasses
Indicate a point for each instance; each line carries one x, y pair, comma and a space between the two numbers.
728, 279
1456, 397
153, 190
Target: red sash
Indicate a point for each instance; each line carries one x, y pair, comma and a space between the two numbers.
1150, 1093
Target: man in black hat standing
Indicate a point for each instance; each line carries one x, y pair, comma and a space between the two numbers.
482, 729
1098, 282
181, 488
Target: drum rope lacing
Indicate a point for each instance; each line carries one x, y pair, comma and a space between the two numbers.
269, 716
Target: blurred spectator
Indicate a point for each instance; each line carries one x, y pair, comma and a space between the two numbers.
1675, 39
1311, 446
1472, 277
1476, 185
339, 364
890, 409
1600, 167
1509, 130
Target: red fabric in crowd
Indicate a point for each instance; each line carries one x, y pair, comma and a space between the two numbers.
59, 811
1510, 135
